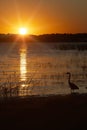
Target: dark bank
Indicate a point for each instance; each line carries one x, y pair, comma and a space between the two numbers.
49, 112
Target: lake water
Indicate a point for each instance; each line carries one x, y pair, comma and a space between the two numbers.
37, 69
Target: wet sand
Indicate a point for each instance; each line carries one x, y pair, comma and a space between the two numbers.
52, 112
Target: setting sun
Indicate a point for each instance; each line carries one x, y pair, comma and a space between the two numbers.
22, 31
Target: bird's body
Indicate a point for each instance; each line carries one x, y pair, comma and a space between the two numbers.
71, 85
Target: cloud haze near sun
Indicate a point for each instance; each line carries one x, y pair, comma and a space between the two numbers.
43, 16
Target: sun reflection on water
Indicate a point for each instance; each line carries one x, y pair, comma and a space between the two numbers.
23, 65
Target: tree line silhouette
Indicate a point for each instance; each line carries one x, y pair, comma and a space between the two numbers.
78, 37
54, 41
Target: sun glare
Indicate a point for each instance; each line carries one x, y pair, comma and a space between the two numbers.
22, 31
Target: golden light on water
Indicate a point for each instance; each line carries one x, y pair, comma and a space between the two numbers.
23, 64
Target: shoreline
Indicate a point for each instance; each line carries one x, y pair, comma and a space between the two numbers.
8, 98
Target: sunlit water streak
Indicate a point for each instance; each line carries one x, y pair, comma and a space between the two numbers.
23, 64
23, 72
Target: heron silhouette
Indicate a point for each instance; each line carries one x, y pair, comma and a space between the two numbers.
71, 85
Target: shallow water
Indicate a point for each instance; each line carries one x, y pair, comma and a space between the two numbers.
37, 69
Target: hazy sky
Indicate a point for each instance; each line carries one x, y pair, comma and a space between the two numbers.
43, 16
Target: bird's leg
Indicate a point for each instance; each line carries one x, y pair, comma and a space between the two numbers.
71, 91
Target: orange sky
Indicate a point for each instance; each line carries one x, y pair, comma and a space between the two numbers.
43, 16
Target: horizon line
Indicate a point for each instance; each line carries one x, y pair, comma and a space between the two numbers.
44, 33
